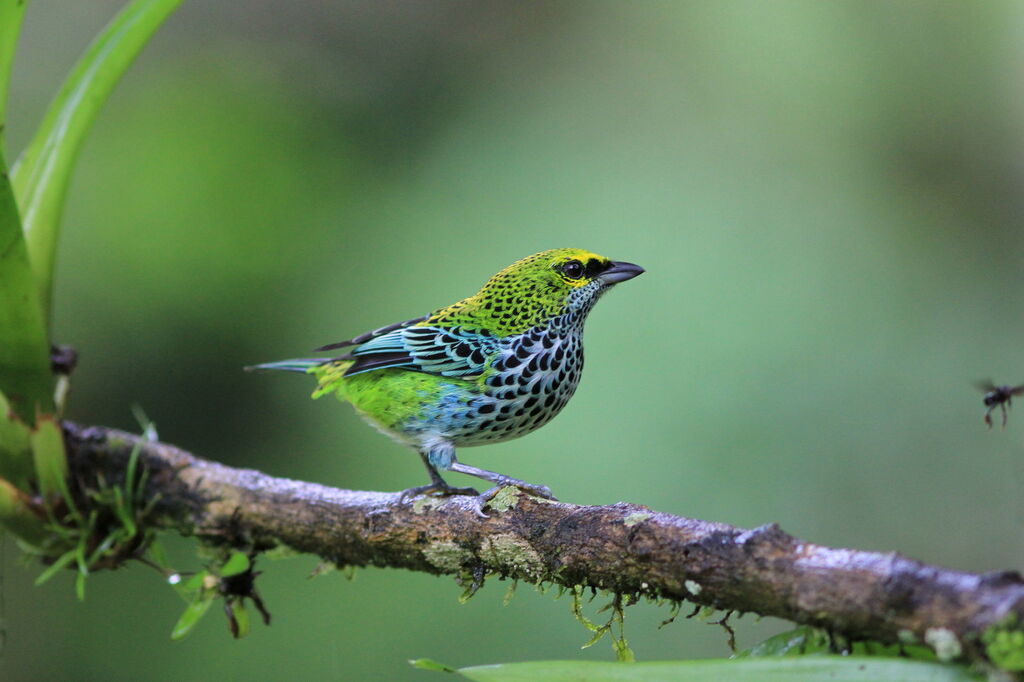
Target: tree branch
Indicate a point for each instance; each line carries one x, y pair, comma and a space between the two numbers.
624, 548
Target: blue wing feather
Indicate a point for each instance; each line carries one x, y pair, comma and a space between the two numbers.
447, 351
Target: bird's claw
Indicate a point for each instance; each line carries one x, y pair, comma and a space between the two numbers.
436, 490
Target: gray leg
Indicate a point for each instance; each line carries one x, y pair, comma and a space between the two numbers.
501, 480
437, 484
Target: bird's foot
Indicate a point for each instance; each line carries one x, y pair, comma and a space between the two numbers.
440, 489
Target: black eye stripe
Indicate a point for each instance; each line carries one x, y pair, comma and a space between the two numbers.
574, 269
595, 267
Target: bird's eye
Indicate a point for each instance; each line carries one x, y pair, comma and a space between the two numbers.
573, 269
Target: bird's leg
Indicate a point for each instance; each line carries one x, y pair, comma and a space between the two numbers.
437, 484
988, 416
501, 480
1003, 405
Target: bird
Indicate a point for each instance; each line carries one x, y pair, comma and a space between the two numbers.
489, 368
998, 396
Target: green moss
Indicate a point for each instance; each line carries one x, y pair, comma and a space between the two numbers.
506, 498
447, 556
1004, 644
636, 517
514, 553
425, 503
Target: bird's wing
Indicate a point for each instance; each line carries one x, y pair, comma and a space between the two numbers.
363, 338
447, 351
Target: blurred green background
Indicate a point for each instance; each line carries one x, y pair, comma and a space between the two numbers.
826, 197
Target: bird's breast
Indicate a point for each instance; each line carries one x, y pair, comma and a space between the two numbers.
529, 381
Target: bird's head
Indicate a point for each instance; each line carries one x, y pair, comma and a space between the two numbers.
547, 284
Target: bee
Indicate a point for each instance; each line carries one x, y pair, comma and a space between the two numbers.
998, 396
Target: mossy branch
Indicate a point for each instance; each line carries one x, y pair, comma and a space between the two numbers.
624, 548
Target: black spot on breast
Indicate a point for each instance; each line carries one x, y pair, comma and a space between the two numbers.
509, 379
477, 357
463, 350
530, 402
511, 361
548, 341
549, 401
545, 362
534, 364
486, 408
522, 352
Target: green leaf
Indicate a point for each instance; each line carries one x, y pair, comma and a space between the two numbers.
80, 585
193, 613
61, 563
51, 464
429, 664
11, 14
801, 640
803, 669
236, 563
17, 517
145, 423
806, 640
42, 173
190, 587
158, 555
25, 377
241, 617
15, 450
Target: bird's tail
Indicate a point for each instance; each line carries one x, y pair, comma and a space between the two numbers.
297, 365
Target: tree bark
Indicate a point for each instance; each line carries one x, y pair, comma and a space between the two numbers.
624, 548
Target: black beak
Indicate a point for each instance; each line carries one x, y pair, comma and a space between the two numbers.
620, 272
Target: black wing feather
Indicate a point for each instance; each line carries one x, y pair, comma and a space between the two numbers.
365, 363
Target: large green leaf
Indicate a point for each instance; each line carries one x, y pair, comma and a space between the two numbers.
24, 363
25, 377
805, 669
11, 13
42, 173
